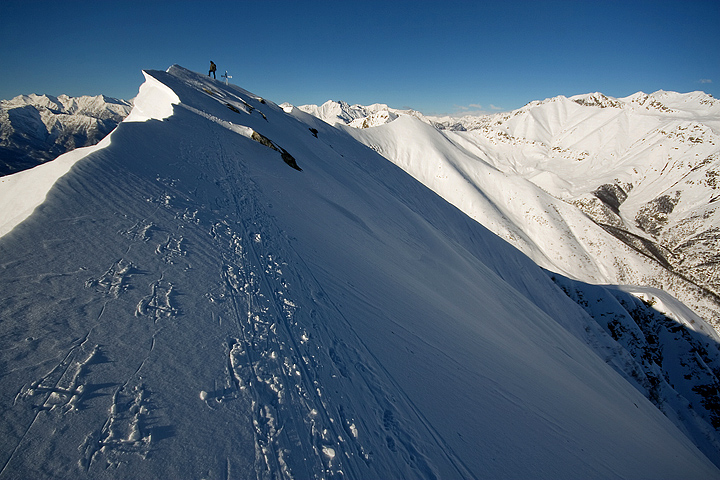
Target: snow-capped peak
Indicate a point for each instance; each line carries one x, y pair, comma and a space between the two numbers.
597, 99
99, 106
357, 116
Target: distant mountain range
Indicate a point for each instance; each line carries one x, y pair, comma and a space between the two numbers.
37, 128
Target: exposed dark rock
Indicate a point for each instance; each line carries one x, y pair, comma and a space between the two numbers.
612, 195
674, 366
653, 216
599, 100
642, 245
287, 158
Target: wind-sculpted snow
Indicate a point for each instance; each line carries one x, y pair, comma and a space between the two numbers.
22, 192
183, 304
154, 101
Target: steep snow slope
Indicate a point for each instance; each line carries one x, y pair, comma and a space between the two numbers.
38, 128
643, 169
219, 293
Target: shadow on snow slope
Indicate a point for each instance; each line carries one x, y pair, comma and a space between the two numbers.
673, 361
185, 305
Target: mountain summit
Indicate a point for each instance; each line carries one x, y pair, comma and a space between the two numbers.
222, 290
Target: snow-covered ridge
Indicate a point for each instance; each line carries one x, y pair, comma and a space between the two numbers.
22, 192
697, 104
183, 304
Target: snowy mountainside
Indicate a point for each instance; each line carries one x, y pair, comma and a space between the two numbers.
37, 128
186, 303
663, 348
560, 178
642, 167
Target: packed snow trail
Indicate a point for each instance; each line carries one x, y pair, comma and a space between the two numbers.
185, 304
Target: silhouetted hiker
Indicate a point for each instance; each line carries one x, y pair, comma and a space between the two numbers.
212, 69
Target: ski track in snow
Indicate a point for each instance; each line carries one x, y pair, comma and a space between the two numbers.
284, 359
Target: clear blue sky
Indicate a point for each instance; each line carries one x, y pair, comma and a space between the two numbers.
433, 56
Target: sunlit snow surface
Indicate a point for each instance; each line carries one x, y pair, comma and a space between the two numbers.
600, 189
183, 304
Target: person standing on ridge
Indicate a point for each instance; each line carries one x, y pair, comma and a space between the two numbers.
212, 69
